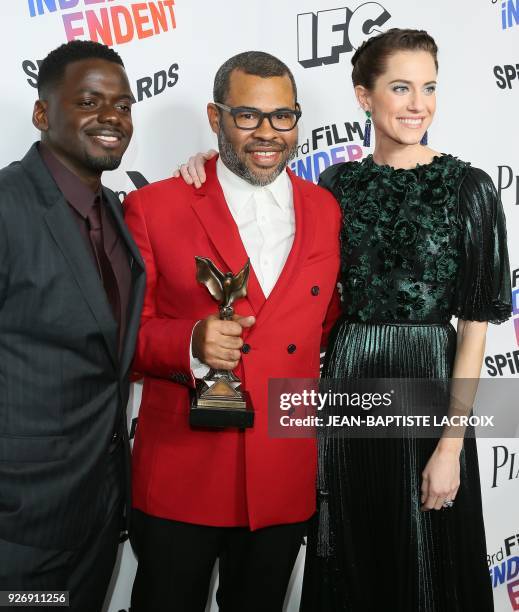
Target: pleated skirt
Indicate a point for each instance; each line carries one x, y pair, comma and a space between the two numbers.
381, 552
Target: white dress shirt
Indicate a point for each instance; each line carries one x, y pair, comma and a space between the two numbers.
266, 223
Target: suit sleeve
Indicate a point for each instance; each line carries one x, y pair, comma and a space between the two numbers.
4, 263
163, 343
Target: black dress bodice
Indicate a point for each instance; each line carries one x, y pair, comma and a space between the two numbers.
419, 245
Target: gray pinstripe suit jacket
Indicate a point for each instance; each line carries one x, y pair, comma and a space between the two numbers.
62, 384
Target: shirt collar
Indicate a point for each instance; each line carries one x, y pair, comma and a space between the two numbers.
241, 191
77, 194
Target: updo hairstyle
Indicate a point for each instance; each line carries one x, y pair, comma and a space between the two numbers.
369, 61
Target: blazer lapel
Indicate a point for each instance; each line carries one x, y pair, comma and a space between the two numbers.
213, 213
63, 228
303, 239
115, 207
138, 281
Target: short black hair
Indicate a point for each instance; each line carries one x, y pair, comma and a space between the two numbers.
257, 63
53, 66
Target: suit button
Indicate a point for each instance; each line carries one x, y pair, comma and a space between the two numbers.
315, 290
291, 348
245, 348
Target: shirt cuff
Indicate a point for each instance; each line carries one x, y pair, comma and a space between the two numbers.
198, 368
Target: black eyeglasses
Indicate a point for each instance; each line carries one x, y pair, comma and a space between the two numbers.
246, 118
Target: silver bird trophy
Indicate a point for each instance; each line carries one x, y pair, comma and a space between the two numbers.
218, 401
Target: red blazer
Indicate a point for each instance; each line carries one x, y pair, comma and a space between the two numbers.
227, 477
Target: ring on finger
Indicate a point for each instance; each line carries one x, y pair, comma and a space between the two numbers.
448, 503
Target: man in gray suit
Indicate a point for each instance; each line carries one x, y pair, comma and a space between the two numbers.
71, 289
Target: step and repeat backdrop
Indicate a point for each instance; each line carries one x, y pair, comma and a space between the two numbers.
172, 49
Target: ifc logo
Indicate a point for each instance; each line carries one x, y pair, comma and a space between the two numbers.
323, 36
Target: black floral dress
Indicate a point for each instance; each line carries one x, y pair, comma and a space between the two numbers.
418, 246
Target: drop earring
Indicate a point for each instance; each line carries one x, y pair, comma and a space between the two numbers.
425, 139
367, 130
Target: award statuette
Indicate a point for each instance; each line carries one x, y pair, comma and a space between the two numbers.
218, 401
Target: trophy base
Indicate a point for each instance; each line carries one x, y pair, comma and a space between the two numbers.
220, 406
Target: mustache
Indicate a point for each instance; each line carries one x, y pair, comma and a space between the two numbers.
265, 145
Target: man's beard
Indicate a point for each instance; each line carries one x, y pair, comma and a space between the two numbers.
237, 166
100, 164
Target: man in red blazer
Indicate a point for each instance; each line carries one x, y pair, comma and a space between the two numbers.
236, 495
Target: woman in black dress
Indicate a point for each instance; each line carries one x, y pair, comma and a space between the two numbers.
400, 524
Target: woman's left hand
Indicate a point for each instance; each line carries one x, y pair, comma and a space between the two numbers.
440, 479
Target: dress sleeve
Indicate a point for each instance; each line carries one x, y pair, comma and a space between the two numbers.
483, 290
328, 178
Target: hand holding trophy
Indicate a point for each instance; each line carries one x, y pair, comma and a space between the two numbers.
218, 401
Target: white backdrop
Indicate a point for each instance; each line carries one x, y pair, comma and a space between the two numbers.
172, 51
